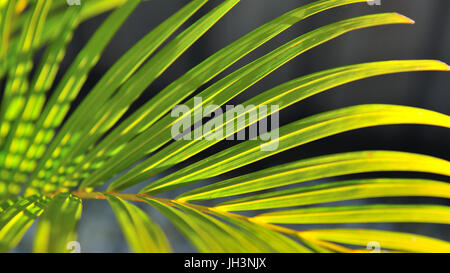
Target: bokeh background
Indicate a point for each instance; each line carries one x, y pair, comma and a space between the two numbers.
428, 39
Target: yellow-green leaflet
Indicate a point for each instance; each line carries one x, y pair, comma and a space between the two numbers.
299, 133
282, 96
67, 89
148, 114
80, 123
197, 234
17, 85
216, 230
142, 234
53, 26
56, 226
6, 20
150, 71
208, 234
17, 218
19, 159
314, 168
69, 125
263, 234
386, 239
336, 191
359, 214
230, 86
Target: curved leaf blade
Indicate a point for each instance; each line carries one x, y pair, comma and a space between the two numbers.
18, 157
142, 234
17, 218
282, 96
276, 241
17, 83
81, 130
202, 234
338, 191
232, 85
117, 104
148, 114
59, 103
296, 134
386, 239
321, 167
56, 227
209, 234
359, 214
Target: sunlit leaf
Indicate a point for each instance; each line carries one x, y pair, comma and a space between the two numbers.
148, 114
76, 126
53, 138
386, 239
151, 70
17, 218
359, 214
22, 128
56, 227
230, 86
141, 233
17, 85
296, 134
337, 191
282, 96
67, 89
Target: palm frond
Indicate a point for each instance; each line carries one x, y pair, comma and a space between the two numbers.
230, 86
51, 161
332, 192
142, 234
57, 225
391, 240
17, 217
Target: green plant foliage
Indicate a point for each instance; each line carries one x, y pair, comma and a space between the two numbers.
51, 161
17, 217
56, 226
142, 234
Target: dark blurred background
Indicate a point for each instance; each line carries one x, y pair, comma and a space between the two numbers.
428, 39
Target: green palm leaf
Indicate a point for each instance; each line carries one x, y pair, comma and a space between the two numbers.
206, 233
281, 96
142, 234
18, 139
321, 167
116, 106
119, 73
332, 192
17, 218
181, 88
295, 134
17, 83
57, 225
51, 160
231, 86
388, 239
59, 103
359, 214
